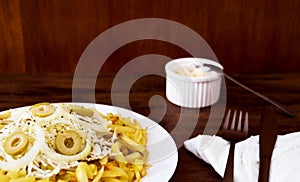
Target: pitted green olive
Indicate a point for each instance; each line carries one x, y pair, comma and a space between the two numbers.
16, 143
43, 109
68, 143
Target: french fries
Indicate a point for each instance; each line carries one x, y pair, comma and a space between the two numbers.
15, 176
126, 163
5, 115
3, 118
130, 149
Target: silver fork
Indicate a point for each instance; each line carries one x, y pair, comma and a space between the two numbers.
234, 134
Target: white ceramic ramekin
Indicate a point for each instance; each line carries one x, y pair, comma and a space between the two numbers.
193, 91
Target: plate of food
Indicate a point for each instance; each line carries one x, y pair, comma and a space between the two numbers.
83, 142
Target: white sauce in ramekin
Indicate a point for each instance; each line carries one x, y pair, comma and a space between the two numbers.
193, 70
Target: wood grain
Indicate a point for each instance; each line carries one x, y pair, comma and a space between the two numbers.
246, 36
11, 37
21, 89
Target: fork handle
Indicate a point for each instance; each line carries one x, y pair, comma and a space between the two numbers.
264, 168
228, 175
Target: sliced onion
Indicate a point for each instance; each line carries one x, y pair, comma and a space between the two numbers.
12, 164
52, 155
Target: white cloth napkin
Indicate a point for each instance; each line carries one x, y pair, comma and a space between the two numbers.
285, 163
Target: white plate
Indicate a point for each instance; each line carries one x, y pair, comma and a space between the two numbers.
163, 155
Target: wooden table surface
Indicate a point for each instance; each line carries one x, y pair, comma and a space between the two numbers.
26, 89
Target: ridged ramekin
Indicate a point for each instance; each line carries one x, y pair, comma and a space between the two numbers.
192, 92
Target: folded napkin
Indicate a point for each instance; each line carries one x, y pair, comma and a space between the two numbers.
285, 162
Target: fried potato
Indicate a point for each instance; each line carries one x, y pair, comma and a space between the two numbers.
126, 163
5, 115
99, 175
4, 178
114, 171
122, 129
81, 173
118, 155
23, 179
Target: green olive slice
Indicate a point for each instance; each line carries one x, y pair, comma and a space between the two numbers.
16, 143
68, 143
42, 109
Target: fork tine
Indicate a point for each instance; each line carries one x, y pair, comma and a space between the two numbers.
239, 127
234, 135
233, 121
246, 124
226, 122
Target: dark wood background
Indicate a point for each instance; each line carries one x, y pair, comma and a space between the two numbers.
247, 36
